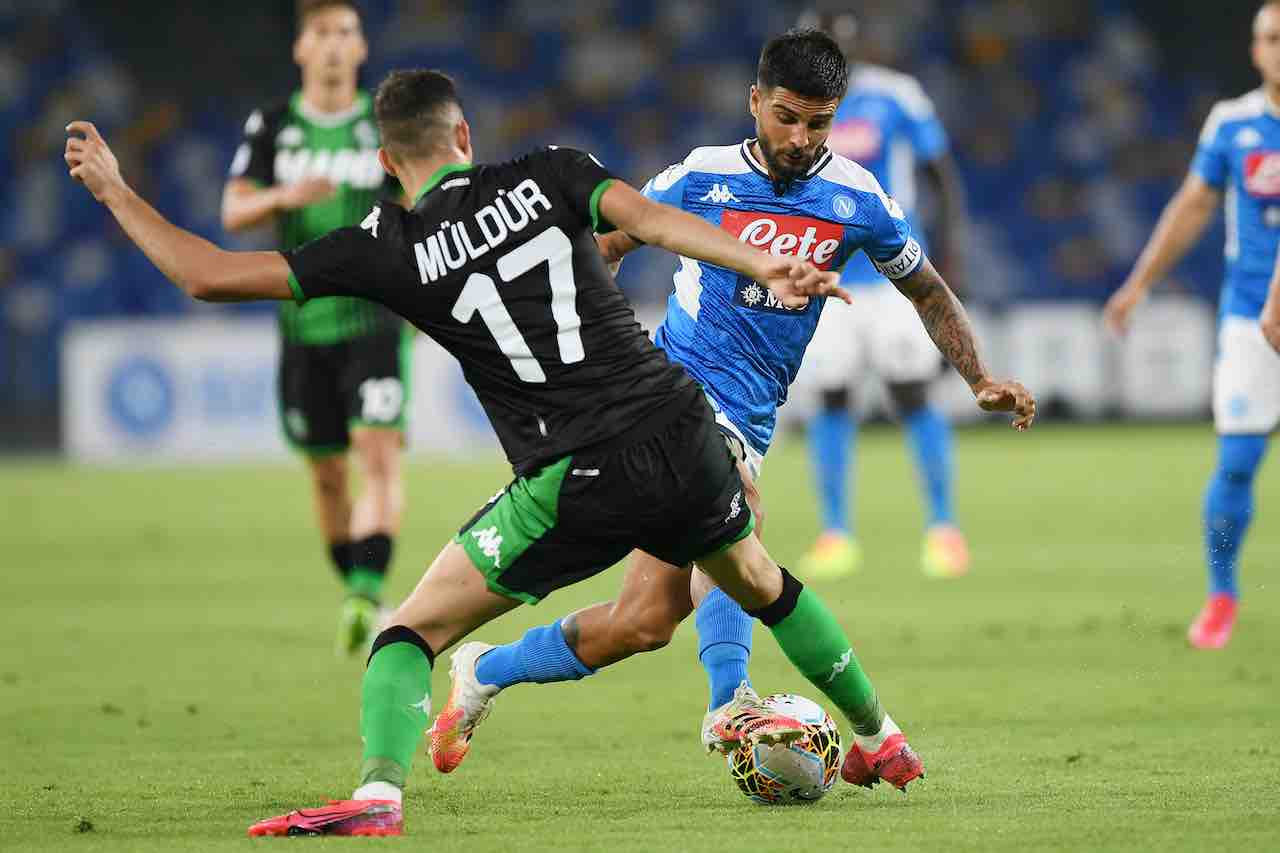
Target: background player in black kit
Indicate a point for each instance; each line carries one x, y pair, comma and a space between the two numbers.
309, 165
613, 447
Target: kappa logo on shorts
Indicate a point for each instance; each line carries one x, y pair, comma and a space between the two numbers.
735, 506
841, 665
489, 541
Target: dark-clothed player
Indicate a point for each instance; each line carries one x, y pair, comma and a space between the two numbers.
613, 447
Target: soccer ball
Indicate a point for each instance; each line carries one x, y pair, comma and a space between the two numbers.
799, 773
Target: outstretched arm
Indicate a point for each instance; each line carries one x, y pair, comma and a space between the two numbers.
200, 268
947, 323
1180, 226
793, 281
245, 204
943, 173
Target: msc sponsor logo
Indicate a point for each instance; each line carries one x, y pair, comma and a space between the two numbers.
786, 236
757, 297
1262, 173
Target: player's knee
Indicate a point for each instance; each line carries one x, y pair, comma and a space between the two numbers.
908, 397
379, 453
330, 476
646, 631
1239, 458
836, 400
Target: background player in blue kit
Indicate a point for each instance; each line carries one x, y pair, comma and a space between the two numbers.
786, 194
1238, 159
888, 125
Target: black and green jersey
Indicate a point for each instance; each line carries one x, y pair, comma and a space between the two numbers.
291, 142
498, 265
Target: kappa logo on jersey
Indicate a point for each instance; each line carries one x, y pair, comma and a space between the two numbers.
1262, 173
857, 138
370, 222
787, 236
489, 541
720, 194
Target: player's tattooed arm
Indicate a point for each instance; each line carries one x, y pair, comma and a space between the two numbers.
198, 267
947, 323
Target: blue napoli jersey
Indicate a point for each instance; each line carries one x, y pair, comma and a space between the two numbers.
1239, 154
888, 125
731, 334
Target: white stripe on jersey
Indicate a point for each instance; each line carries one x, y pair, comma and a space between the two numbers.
688, 282
718, 159
904, 88
841, 170
1249, 105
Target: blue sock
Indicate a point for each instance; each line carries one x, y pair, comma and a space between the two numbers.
541, 656
724, 644
832, 433
930, 436
1228, 507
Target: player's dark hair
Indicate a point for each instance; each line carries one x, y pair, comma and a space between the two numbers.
414, 109
307, 8
806, 61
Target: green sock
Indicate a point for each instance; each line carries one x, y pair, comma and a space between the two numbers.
395, 702
370, 557
366, 583
815, 643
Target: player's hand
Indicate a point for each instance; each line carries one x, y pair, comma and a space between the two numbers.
92, 163
305, 192
1270, 322
1119, 308
795, 282
1009, 397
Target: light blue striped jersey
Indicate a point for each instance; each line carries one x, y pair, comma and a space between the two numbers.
1239, 154
731, 334
888, 125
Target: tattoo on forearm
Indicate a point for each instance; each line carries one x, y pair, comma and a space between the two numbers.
945, 320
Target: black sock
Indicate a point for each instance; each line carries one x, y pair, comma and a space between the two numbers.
340, 553
370, 557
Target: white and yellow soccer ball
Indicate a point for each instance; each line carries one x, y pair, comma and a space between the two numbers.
798, 773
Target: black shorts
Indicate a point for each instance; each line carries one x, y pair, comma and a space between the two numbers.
674, 493
328, 389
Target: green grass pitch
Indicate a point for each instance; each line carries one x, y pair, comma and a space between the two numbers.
167, 676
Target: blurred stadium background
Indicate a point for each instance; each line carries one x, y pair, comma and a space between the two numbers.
1072, 122
167, 673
